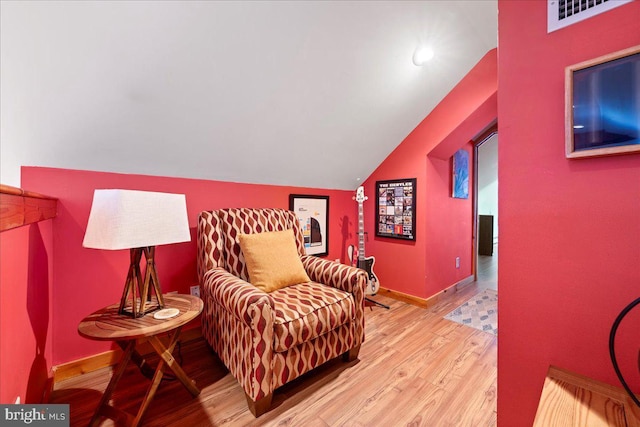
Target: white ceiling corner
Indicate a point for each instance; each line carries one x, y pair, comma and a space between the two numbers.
312, 94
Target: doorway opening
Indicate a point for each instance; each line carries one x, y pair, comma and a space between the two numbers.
486, 208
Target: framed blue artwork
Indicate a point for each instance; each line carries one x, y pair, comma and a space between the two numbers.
461, 175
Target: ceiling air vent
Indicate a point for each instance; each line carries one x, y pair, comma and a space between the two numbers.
561, 13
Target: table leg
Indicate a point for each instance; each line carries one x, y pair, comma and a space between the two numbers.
117, 374
151, 392
129, 354
166, 358
145, 369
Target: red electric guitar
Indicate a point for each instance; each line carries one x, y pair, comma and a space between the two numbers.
363, 262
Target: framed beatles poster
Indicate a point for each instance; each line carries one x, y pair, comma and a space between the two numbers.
396, 208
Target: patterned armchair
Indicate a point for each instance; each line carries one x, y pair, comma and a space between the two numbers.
269, 339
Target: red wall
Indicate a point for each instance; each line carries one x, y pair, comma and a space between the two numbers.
569, 229
25, 311
443, 225
449, 222
85, 280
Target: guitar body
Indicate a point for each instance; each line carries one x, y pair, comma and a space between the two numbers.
373, 285
363, 262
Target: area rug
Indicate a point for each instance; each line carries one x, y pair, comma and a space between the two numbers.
479, 312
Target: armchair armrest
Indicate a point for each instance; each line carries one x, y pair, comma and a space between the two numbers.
236, 296
340, 276
243, 335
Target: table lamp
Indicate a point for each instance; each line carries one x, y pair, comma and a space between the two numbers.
138, 221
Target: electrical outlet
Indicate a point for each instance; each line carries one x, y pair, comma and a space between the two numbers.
457, 262
195, 291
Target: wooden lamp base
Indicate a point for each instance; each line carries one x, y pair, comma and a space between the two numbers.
136, 305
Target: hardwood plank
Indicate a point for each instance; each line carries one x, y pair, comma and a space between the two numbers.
595, 409
396, 381
418, 410
449, 372
473, 401
556, 404
587, 383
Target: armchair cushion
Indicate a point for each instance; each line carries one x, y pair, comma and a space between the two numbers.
306, 311
272, 260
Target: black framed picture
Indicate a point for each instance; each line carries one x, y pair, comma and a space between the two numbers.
313, 214
396, 208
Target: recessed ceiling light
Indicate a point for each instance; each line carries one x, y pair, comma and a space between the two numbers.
422, 55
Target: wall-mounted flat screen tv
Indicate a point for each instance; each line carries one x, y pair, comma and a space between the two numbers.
603, 105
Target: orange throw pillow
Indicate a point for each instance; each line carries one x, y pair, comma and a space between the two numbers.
272, 260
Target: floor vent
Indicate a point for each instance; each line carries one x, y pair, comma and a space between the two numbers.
562, 13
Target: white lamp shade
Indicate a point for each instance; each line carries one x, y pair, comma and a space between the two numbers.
125, 219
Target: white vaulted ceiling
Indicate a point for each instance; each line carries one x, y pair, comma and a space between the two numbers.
312, 94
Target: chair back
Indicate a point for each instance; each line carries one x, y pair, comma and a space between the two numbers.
219, 231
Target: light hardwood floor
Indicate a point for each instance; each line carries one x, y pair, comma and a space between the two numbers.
488, 270
414, 369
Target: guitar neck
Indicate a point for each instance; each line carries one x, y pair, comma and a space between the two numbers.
360, 232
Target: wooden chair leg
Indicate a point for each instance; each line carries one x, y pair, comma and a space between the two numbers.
261, 406
351, 355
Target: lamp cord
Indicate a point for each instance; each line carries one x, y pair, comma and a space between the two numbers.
612, 351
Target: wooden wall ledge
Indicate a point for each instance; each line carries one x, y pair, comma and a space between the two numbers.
569, 400
19, 207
